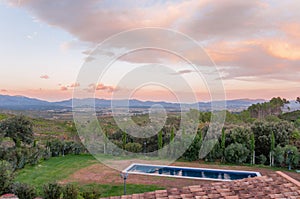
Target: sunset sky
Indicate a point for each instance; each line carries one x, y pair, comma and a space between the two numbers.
255, 45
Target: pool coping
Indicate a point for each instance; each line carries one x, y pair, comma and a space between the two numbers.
185, 177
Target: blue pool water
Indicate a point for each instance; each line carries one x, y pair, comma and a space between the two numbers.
190, 172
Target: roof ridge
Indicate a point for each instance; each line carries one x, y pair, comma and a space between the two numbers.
289, 178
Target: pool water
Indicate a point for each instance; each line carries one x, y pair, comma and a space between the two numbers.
190, 172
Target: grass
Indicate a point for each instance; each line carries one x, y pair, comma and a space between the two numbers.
107, 190
59, 168
54, 169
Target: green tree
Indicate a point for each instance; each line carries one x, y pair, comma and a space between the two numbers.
236, 153
6, 176
252, 148
272, 147
160, 140
18, 128
223, 141
124, 139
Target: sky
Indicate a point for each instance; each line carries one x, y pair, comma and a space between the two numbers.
254, 47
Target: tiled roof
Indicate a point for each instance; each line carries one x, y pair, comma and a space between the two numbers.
277, 185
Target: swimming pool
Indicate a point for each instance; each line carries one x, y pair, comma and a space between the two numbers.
189, 172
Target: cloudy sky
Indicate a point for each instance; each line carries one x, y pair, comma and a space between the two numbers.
255, 45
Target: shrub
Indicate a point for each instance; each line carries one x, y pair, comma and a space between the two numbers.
91, 193
52, 191
236, 153
279, 155
6, 176
294, 155
133, 147
70, 191
262, 159
23, 191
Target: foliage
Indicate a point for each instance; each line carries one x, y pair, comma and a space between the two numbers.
160, 140
133, 147
6, 176
223, 142
192, 153
52, 191
18, 128
91, 193
124, 139
236, 153
262, 159
239, 135
252, 148
215, 153
263, 131
279, 155
292, 155
23, 191
70, 191
273, 107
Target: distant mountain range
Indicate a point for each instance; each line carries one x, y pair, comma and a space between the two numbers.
26, 103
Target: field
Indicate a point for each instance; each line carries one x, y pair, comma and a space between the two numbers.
61, 168
85, 171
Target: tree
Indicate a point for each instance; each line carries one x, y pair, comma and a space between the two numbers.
236, 153
262, 131
18, 128
223, 140
6, 176
273, 107
160, 140
252, 148
124, 139
272, 147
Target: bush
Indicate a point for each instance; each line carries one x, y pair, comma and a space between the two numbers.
52, 191
279, 155
6, 176
262, 159
293, 157
70, 191
133, 147
23, 191
91, 193
236, 153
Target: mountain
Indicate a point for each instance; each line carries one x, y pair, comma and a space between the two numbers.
22, 103
26, 103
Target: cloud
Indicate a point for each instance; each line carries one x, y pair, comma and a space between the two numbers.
4, 90
184, 71
255, 58
246, 39
73, 85
63, 88
44, 77
101, 87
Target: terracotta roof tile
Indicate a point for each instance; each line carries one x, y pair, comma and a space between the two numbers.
275, 185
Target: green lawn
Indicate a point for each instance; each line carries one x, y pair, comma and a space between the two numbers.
58, 168
54, 169
117, 190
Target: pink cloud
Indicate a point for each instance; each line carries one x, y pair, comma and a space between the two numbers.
44, 77
73, 85
63, 88
101, 87
4, 90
